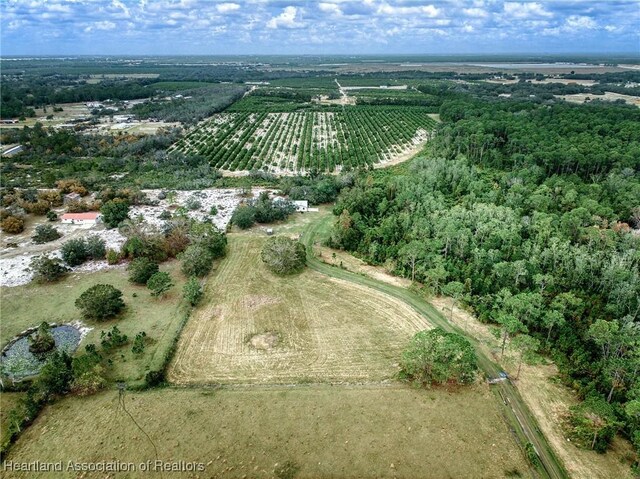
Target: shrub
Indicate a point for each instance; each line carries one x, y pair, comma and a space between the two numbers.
593, 424
193, 204
159, 283
244, 217
213, 210
96, 247
74, 252
52, 215
192, 291
141, 269
12, 225
283, 255
71, 186
54, 198
45, 233
165, 215
47, 270
112, 339
89, 382
438, 357
56, 375
100, 302
114, 212
39, 207
138, 343
42, 341
113, 257
196, 260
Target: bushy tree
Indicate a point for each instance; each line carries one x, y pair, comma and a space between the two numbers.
141, 269
74, 251
56, 375
196, 261
592, 424
12, 225
244, 217
114, 212
159, 283
46, 269
42, 341
45, 234
439, 357
192, 291
100, 302
96, 247
283, 255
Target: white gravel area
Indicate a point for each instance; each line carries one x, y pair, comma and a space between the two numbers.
14, 262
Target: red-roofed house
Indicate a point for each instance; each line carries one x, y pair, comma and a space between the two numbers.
81, 218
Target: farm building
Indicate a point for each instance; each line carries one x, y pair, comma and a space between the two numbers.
81, 218
301, 206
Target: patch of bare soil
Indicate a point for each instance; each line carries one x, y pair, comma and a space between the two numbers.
255, 302
265, 341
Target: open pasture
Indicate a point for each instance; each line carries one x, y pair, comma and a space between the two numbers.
301, 141
254, 327
320, 432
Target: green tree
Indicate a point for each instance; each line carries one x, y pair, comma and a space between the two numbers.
509, 327
283, 255
45, 233
141, 269
197, 260
454, 289
47, 270
114, 212
527, 346
192, 291
244, 217
56, 375
74, 252
96, 247
100, 302
159, 283
42, 341
438, 357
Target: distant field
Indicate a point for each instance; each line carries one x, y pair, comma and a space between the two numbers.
608, 96
327, 330
321, 432
300, 141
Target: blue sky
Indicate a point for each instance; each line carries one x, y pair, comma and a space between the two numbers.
65, 27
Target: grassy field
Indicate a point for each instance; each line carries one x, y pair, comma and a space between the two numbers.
27, 306
323, 432
326, 329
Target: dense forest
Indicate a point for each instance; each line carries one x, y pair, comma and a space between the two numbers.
525, 213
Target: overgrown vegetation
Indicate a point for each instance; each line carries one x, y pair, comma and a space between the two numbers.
529, 209
283, 255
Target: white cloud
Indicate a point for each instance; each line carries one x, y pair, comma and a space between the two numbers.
331, 8
227, 7
475, 12
428, 10
286, 19
468, 28
577, 22
105, 25
525, 10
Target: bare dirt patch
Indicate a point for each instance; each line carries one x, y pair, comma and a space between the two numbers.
265, 341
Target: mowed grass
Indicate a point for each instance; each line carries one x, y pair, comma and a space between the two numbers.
329, 330
323, 431
27, 306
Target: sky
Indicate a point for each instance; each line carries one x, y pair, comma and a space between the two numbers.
201, 27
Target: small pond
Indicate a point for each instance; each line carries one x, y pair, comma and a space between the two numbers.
17, 362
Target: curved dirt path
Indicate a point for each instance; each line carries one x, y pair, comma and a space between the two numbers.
518, 416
